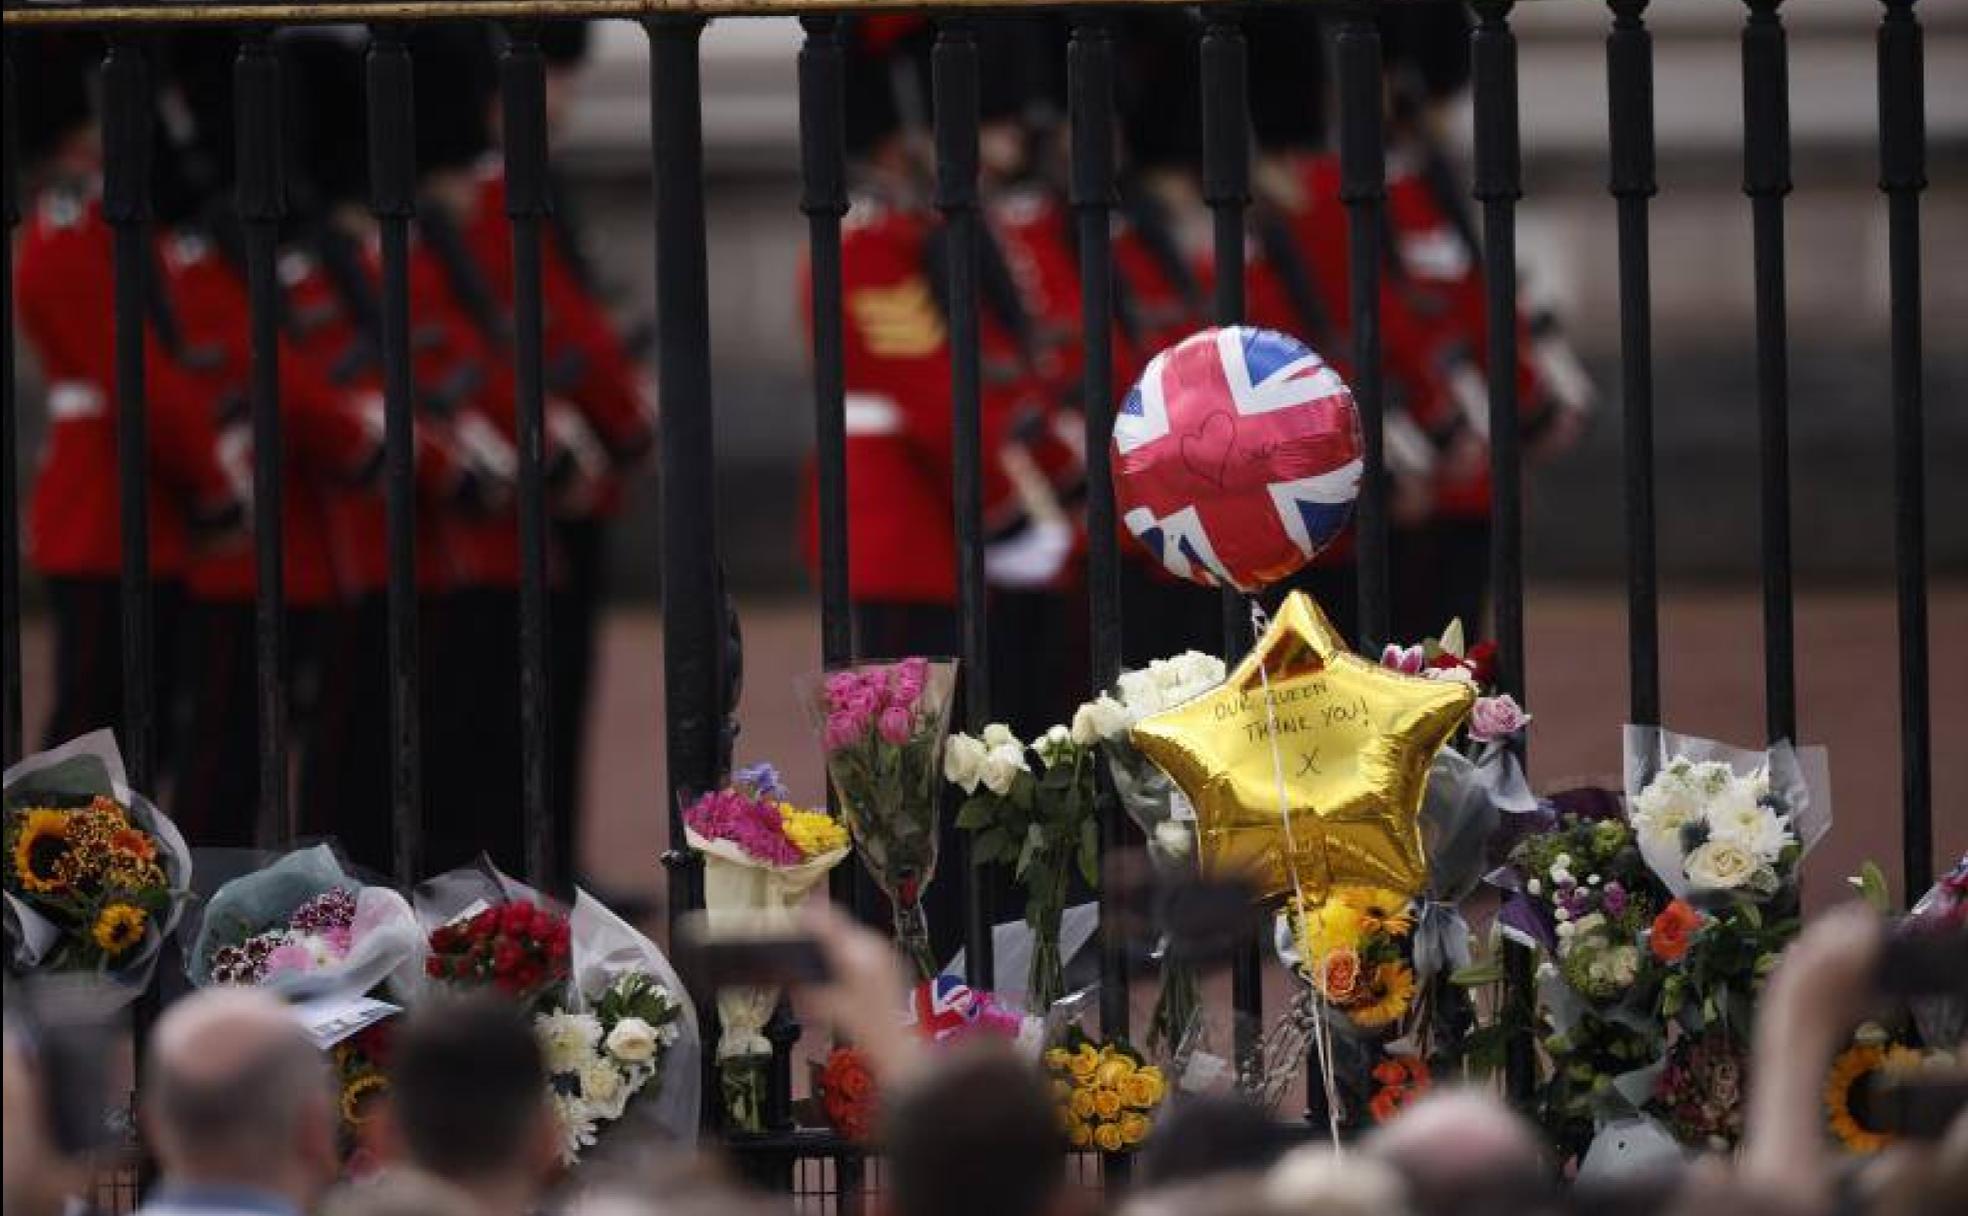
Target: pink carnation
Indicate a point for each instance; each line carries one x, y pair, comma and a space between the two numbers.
754, 826
291, 957
1408, 660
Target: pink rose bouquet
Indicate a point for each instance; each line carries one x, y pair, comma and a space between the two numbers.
881, 726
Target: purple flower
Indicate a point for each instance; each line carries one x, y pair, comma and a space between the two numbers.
762, 779
333, 908
1613, 898
1408, 660
1496, 718
897, 725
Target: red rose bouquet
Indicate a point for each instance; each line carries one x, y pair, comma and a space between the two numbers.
519, 948
845, 1086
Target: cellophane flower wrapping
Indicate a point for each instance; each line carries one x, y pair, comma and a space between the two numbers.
756, 874
1109, 1094
97, 876
881, 728
652, 1081
1722, 824
1159, 808
304, 928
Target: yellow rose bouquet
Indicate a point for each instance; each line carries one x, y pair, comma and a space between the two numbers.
1108, 1094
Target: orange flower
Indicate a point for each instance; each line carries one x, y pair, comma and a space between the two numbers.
133, 843
1339, 976
1672, 932
1387, 1103
1390, 1071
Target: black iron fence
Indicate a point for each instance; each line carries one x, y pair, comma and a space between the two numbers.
695, 625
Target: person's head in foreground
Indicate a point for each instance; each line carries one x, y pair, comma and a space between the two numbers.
237, 1100
400, 1192
976, 1134
468, 1104
1316, 1181
1205, 1136
1463, 1151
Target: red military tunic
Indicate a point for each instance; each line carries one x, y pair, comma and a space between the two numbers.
900, 438
64, 301
331, 435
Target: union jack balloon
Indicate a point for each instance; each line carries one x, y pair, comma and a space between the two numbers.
1237, 457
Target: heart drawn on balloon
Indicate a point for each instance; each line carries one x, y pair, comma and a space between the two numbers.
1206, 451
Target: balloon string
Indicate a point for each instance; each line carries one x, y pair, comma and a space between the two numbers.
1321, 1031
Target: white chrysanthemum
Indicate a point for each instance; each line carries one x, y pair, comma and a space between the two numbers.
577, 1126
1667, 805
568, 1040
604, 1090
1141, 694
1737, 817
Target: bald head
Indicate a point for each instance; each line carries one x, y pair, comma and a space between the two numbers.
1458, 1146
235, 1092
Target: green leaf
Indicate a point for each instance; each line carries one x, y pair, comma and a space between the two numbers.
1475, 975
1090, 852
1871, 883
976, 812
1034, 841
988, 847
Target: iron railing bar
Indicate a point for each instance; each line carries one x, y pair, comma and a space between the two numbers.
1363, 189
259, 191
1227, 192
522, 87
823, 199
1493, 53
1766, 180
1093, 196
12, 730
694, 624
393, 199
127, 118
1630, 120
954, 84
1902, 176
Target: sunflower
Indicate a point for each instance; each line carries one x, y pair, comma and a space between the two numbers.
1379, 909
1393, 990
1332, 925
359, 1097
1852, 1073
119, 927
39, 848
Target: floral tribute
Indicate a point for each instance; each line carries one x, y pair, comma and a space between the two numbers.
1713, 834
613, 1023
1042, 824
1352, 949
1108, 1094
519, 950
599, 1059
95, 875
303, 927
845, 1087
881, 728
1398, 1080
762, 856
362, 1083
1165, 817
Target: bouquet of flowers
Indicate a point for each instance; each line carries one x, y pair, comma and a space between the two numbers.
362, 1084
1155, 804
1043, 825
303, 928
845, 1087
881, 729
1398, 1080
96, 875
1108, 1095
762, 856
616, 1028
1723, 826
1353, 949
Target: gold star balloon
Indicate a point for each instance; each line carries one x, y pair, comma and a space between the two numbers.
1349, 740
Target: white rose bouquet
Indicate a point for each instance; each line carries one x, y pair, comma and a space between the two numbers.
1719, 825
1157, 807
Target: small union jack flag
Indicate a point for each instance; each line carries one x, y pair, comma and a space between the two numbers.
941, 1006
1237, 457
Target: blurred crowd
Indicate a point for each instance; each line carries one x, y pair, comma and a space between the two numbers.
237, 1104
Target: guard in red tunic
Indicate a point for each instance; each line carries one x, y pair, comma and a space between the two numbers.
63, 293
